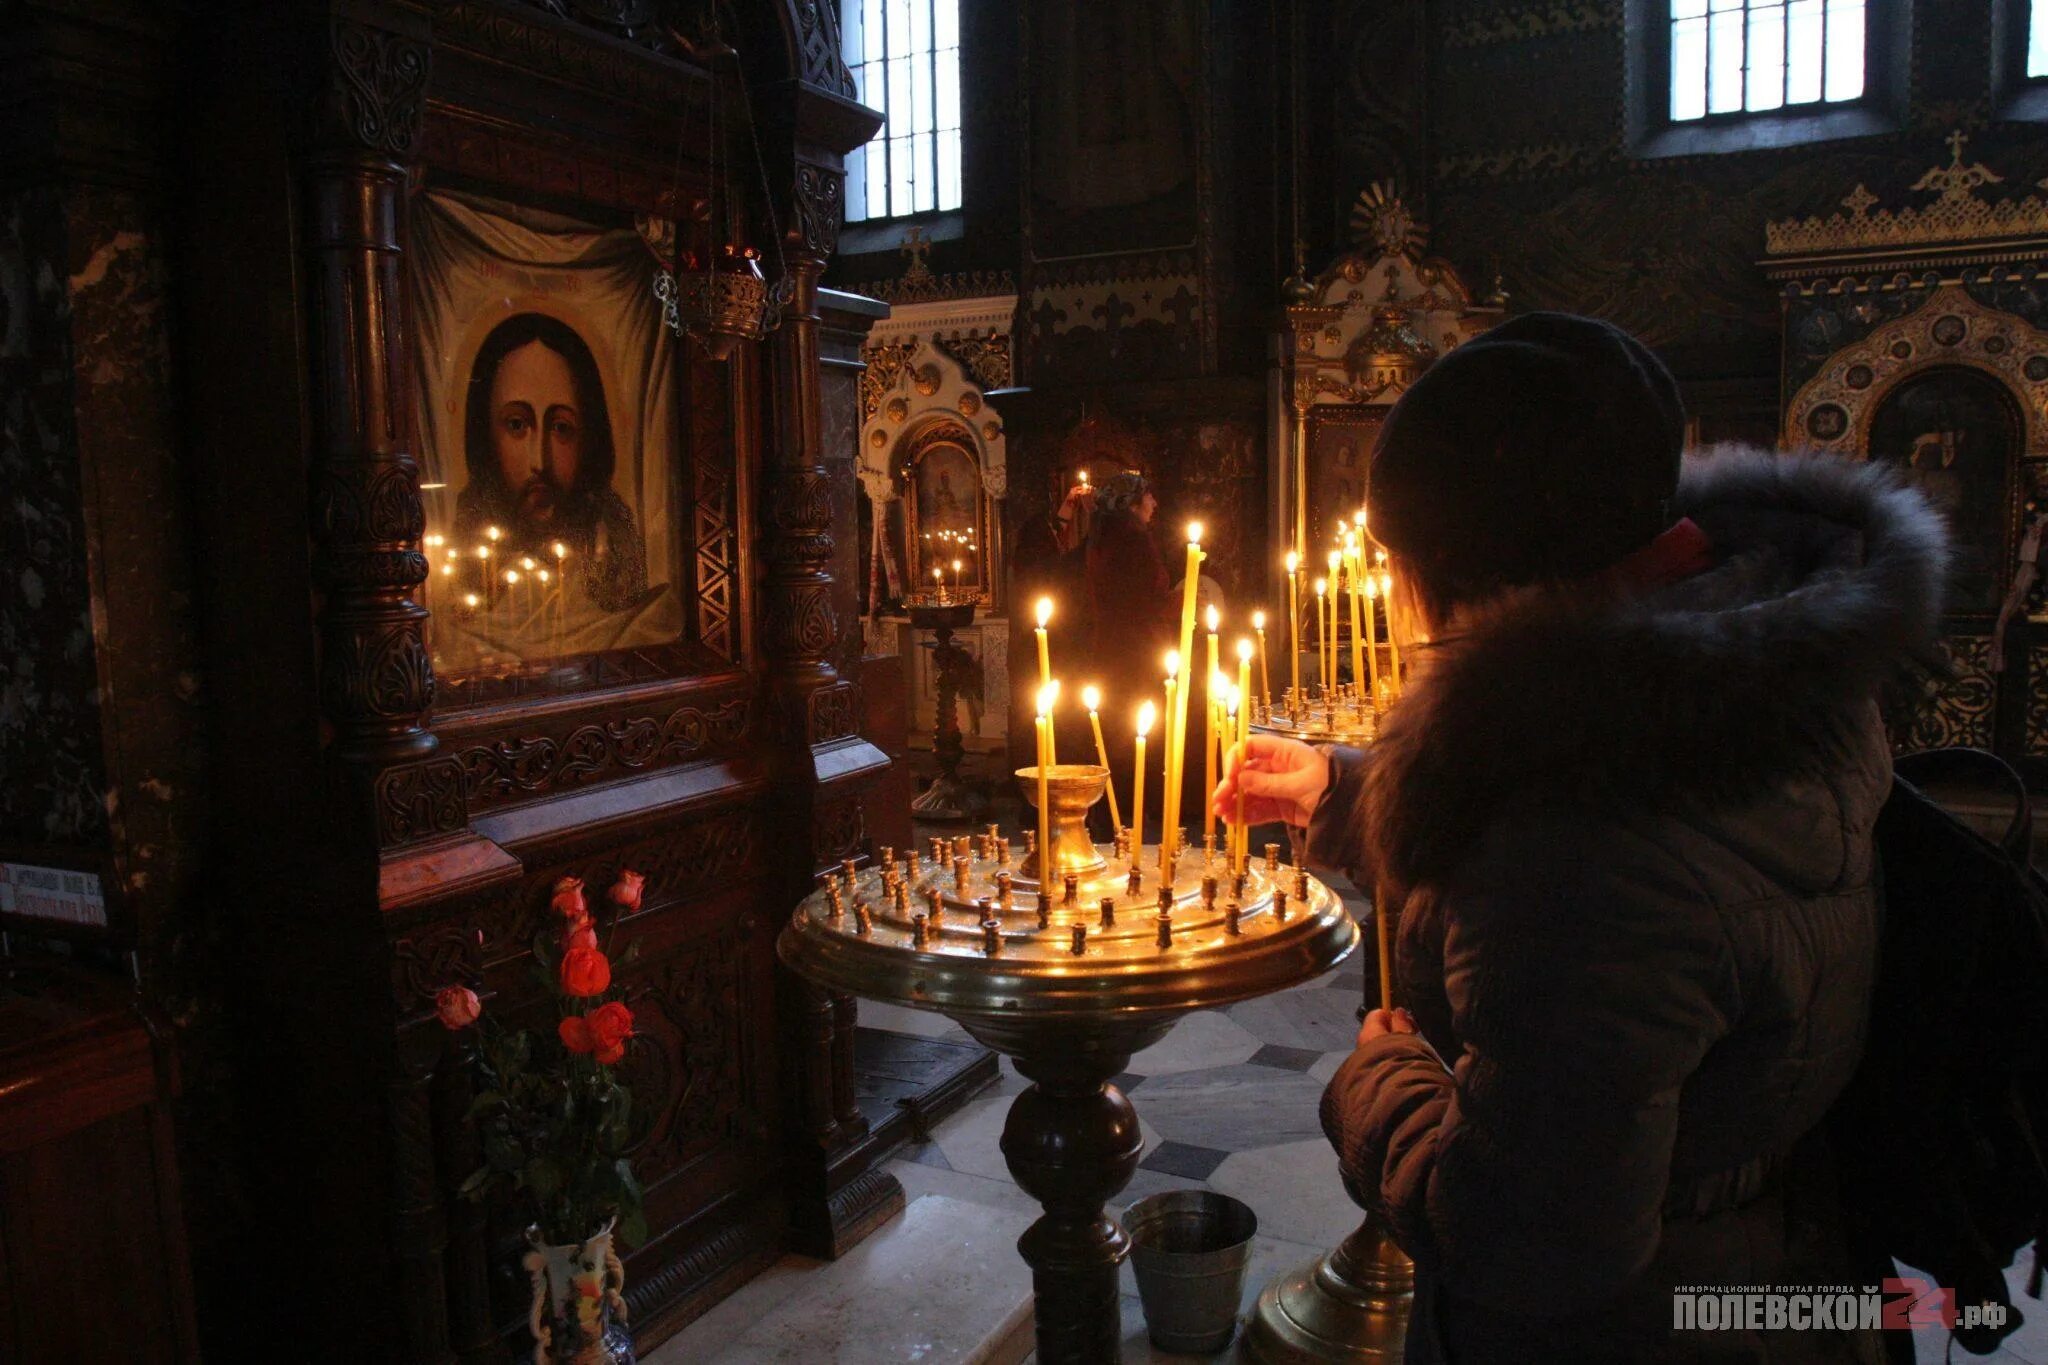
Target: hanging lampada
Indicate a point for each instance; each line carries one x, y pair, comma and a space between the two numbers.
709, 281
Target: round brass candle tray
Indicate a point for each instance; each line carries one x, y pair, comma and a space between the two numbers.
1069, 975
1345, 718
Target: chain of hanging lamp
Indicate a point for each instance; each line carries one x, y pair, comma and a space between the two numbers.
720, 307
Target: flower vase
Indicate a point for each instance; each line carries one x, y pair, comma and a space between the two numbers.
578, 1316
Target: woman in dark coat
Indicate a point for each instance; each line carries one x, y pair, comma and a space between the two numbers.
1131, 622
1624, 816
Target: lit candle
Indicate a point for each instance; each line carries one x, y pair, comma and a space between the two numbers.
1351, 564
1166, 812
1372, 634
1294, 625
1091, 697
1335, 560
1045, 858
1178, 743
1233, 704
1145, 714
1322, 587
1213, 736
1239, 735
1393, 645
939, 585
1044, 613
956, 575
1265, 679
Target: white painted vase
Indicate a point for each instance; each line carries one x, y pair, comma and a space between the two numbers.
578, 1315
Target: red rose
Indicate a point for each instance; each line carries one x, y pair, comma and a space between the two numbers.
581, 935
457, 1006
614, 1053
585, 972
575, 1034
625, 892
611, 1024
568, 899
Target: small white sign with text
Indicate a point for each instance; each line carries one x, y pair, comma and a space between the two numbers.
52, 893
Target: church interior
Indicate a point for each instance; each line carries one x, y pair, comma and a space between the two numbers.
682, 836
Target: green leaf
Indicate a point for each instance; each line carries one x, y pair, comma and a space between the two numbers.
478, 1183
543, 1177
488, 1100
633, 1227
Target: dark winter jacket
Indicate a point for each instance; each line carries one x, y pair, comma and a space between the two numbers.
1628, 840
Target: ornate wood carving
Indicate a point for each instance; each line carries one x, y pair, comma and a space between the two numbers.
376, 680
819, 207
690, 1074
834, 713
840, 831
511, 768
2037, 702
419, 800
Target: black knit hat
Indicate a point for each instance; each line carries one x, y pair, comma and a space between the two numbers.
1544, 449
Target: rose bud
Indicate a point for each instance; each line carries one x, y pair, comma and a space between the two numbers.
609, 1055
575, 1034
568, 899
625, 892
581, 935
457, 1006
585, 971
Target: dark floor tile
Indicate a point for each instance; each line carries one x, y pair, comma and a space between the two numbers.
1284, 1058
1184, 1159
926, 1154
1127, 1081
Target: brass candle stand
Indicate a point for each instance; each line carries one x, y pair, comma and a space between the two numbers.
1069, 974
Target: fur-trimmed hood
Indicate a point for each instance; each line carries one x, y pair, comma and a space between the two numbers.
1748, 678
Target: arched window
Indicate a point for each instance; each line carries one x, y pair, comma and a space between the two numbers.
905, 57
1757, 56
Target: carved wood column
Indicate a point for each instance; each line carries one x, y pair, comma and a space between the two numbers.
376, 680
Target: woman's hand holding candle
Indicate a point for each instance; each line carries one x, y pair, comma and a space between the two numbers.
1282, 779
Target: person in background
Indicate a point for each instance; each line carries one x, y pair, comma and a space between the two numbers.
1131, 613
1046, 561
1624, 815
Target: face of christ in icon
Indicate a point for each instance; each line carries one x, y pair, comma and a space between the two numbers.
538, 443
536, 431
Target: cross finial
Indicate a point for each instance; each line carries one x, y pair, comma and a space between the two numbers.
914, 245
1956, 139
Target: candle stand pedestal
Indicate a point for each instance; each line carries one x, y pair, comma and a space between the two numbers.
1350, 1306
948, 798
1070, 988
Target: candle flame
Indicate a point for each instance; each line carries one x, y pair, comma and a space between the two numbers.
447, 571
543, 575
483, 552
1194, 533
1361, 516
492, 533
526, 563
1336, 558
1351, 542
1258, 620
1218, 684
1387, 584
956, 566
561, 550
1047, 695
1146, 715
1293, 561
1232, 701
1091, 697
1172, 663
1372, 587
469, 599
1322, 586
1044, 611
511, 575
1212, 618
1244, 651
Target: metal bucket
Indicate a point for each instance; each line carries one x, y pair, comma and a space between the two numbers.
1189, 1249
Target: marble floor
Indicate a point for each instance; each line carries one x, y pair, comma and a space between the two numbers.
1227, 1101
